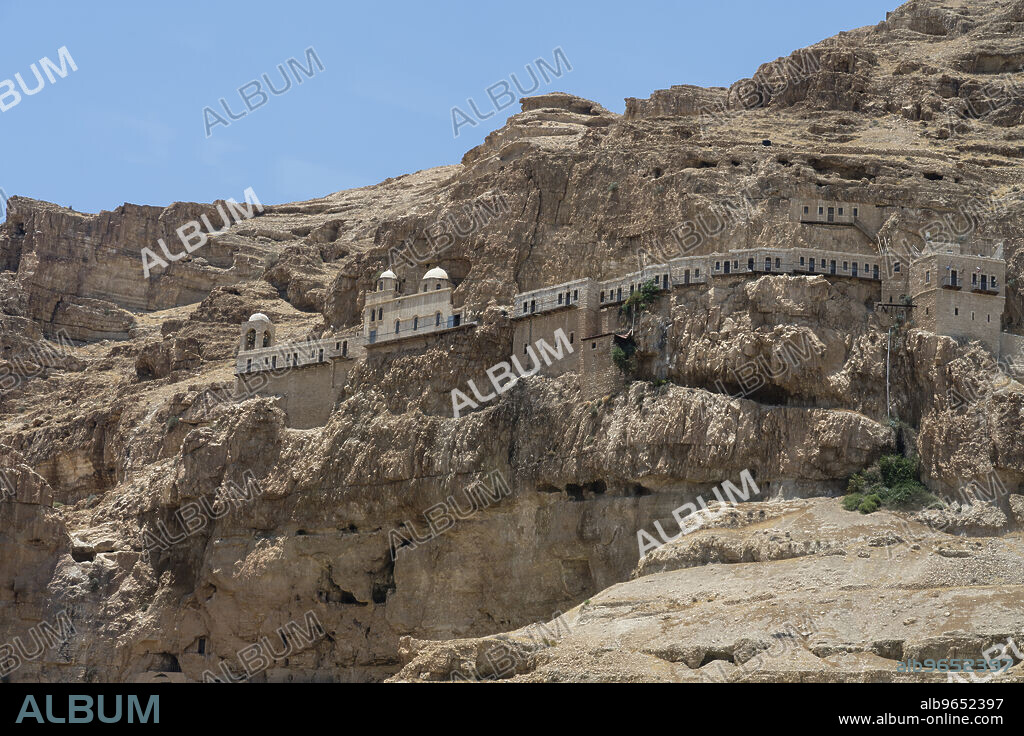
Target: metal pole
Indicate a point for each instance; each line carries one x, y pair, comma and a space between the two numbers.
888, 351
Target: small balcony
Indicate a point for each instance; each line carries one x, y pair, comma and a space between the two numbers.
952, 282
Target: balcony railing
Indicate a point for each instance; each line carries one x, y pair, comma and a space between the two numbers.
952, 282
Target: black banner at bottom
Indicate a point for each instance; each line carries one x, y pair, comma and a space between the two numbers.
353, 705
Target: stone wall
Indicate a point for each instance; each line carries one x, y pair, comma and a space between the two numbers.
600, 376
306, 394
577, 323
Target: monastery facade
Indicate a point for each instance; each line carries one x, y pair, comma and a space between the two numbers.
945, 291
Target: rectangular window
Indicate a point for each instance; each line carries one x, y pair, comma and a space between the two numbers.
854, 211
956, 311
593, 346
807, 210
559, 298
821, 210
778, 261
696, 273
718, 265
896, 267
524, 307
801, 260
846, 265
840, 210
602, 296
927, 277
572, 337
575, 295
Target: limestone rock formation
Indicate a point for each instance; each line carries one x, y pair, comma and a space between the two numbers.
177, 520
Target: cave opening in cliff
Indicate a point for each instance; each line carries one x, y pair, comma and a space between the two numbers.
19, 229
82, 555
384, 584
768, 394
713, 655
164, 662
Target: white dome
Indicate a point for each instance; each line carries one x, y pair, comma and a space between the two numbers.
259, 317
436, 273
389, 274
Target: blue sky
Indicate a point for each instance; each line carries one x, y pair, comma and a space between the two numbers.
128, 125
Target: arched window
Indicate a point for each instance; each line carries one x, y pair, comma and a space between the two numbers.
266, 339
437, 319
250, 340
344, 348
415, 323
380, 313
397, 323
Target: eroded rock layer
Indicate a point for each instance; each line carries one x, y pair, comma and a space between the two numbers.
116, 444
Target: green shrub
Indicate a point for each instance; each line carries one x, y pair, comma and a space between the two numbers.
641, 299
626, 361
851, 502
870, 504
891, 483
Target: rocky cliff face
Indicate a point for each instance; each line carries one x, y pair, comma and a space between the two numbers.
397, 520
